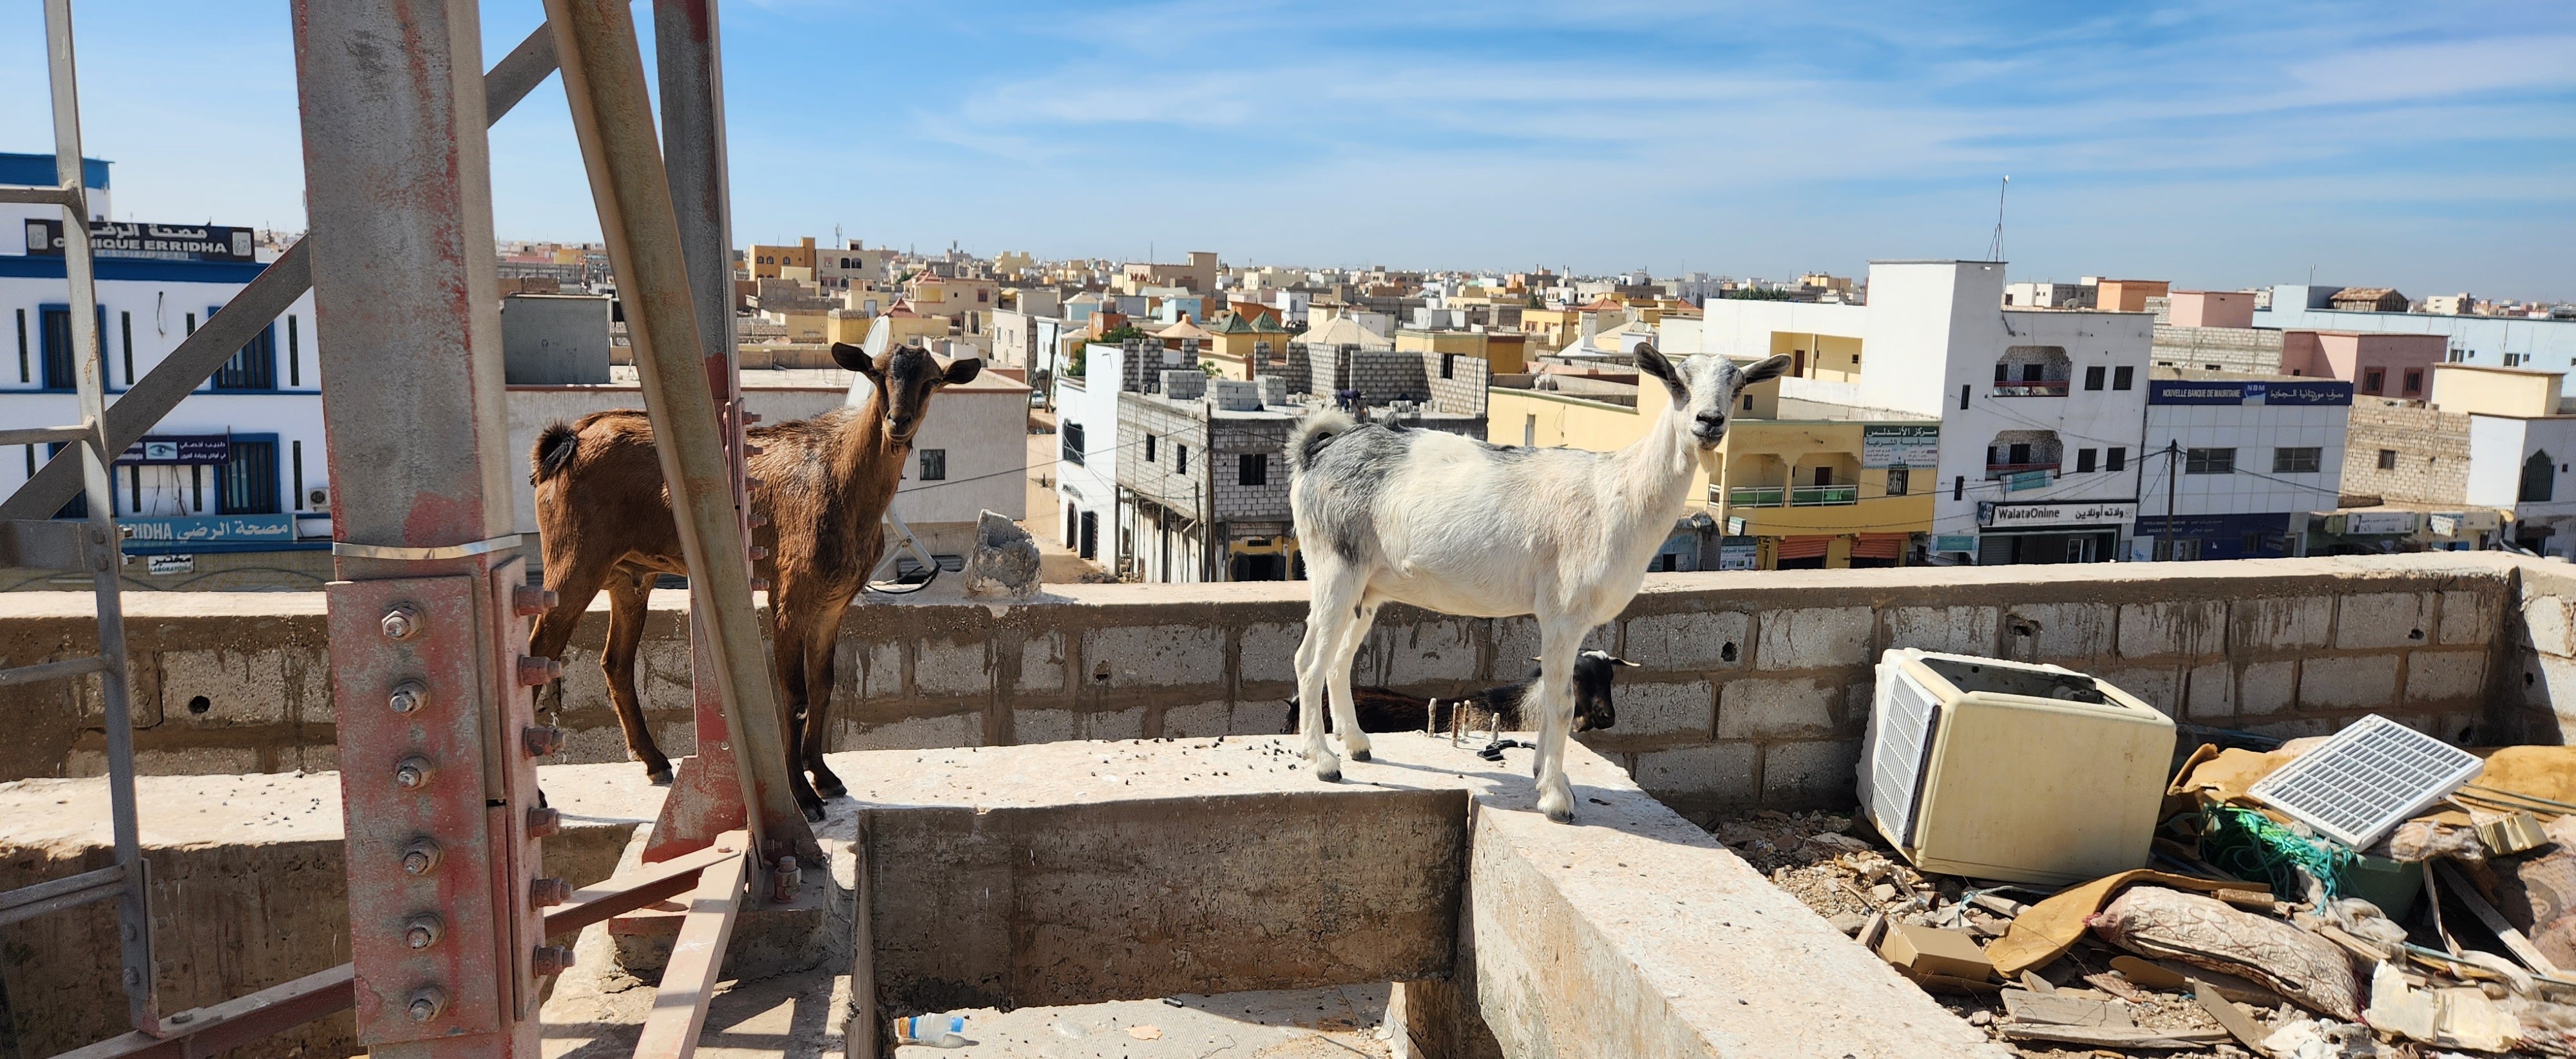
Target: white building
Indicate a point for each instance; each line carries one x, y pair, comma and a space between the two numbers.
231, 488
1086, 470
2232, 463
971, 456
2489, 341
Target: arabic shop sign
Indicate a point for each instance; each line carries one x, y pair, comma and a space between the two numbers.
2249, 392
1955, 542
1738, 553
171, 534
161, 449
2080, 513
2018, 481
158, 242
1900, 445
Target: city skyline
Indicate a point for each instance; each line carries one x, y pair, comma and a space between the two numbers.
2426, 148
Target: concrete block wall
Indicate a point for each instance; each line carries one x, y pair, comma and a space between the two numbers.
1463, 392
2243, 349
1754, 689
1388, 375
2432, 450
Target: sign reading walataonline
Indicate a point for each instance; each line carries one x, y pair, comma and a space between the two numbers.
157, 242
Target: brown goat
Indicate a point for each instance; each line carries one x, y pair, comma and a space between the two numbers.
819, 492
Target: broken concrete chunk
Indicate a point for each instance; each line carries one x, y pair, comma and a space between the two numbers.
1005, 562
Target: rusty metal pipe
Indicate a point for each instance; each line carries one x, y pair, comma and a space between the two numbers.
603, 71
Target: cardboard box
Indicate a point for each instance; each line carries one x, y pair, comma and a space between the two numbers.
1931, 951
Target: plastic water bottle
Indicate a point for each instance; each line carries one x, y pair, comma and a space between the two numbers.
935, 1031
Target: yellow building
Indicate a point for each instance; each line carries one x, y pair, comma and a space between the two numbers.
1230, 343
2519, 392
768, 261
1817, 489
1505, 351
1552, 328
1826, 358
954, 298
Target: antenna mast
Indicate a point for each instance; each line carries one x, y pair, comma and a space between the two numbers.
1995, 249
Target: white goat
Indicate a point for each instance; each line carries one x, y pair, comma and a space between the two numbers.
1463, 527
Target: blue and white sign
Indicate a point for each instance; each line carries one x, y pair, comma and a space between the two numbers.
194, 533
2300, 393
2018, 481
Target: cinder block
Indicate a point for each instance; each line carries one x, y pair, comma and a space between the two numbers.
1662, 709
2155, 686
1194, 721
1420, 652
1155, 655
2382, 619
1691, 642
865, 669
911, 733
2270, 627
2156, 630
2546, 623
2468, 617
951, 667
196, 761
2264, 688
2073, 635
1055, 726
1815, 638
1810, 773
2295, 728
1267, 652
223, 688
2549, 681
1042, 663
1516, 642
1777, 709
2361, 682
1711, 772
1954, 630
2435, 677
2209, 692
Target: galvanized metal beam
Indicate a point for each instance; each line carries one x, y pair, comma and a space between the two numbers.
612, 115
252, 309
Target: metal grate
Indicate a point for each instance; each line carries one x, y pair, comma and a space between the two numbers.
2367, 779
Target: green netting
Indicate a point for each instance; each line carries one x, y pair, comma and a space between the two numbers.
2249, 845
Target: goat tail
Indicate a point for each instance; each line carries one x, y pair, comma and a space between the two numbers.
553, 452
1312, 434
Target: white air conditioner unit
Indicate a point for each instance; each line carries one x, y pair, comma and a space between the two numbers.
2011, 771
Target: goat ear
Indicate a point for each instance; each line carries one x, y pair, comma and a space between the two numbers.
962, 371
1652, 361
855, 359
1768, 369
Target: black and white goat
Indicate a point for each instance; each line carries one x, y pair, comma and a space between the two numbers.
1498, 708
1459, 526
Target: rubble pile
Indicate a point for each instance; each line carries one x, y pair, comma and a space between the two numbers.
2446, 937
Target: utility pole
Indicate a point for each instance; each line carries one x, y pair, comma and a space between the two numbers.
2173, 455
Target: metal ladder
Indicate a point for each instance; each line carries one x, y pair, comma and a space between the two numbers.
93, 546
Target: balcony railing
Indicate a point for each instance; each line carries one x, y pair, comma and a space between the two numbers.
1998, 470
1820, 495
2032, 388
1756, 496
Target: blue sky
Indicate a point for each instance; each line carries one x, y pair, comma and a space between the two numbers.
2423, 145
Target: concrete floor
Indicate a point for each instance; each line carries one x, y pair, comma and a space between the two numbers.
1292, 1024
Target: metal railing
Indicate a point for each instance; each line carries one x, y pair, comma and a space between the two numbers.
1792, 495
94, 546
1998, 470
2031, 388
1756, 496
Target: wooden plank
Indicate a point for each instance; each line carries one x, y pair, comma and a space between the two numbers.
679, 1011
2230, 1017
2111, 1036
2058, 1010
2514, 941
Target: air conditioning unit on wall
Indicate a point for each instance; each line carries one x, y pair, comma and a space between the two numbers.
2010, 770
318, 499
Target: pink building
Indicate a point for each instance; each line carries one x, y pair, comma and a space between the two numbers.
2379, 365
2212, 308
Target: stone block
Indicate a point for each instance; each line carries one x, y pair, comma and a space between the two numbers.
1155, 656
1516, 642
2156, 686
951, 667
1042, 663
2435, 677
1818, 773
2550, 681
2270, 627
2546, 624
910, 733
196, 761
1777, 709
1662, 709
1267, 652
1435, 649
1196, 720
1721, 773
1056, 726
2382, 619
2264, 688
2361, 682
2294, 728
2156, 630
1815, 638
2468, 618
864, 669
1689, 642
1954, 630
2073, 635
2209, 692
225, 688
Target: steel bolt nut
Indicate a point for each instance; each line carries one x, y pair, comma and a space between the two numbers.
423, 931
412, 772
543, 821
550, 960
758, 552
420, 857
534, 671
408, 696
548, 893
401, 622
541, 740
426, 1003
528, 601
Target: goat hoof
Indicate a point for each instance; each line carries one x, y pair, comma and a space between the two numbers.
660, 777
1329, 774
831, 788
813, 811
1563, 815
1359, 755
